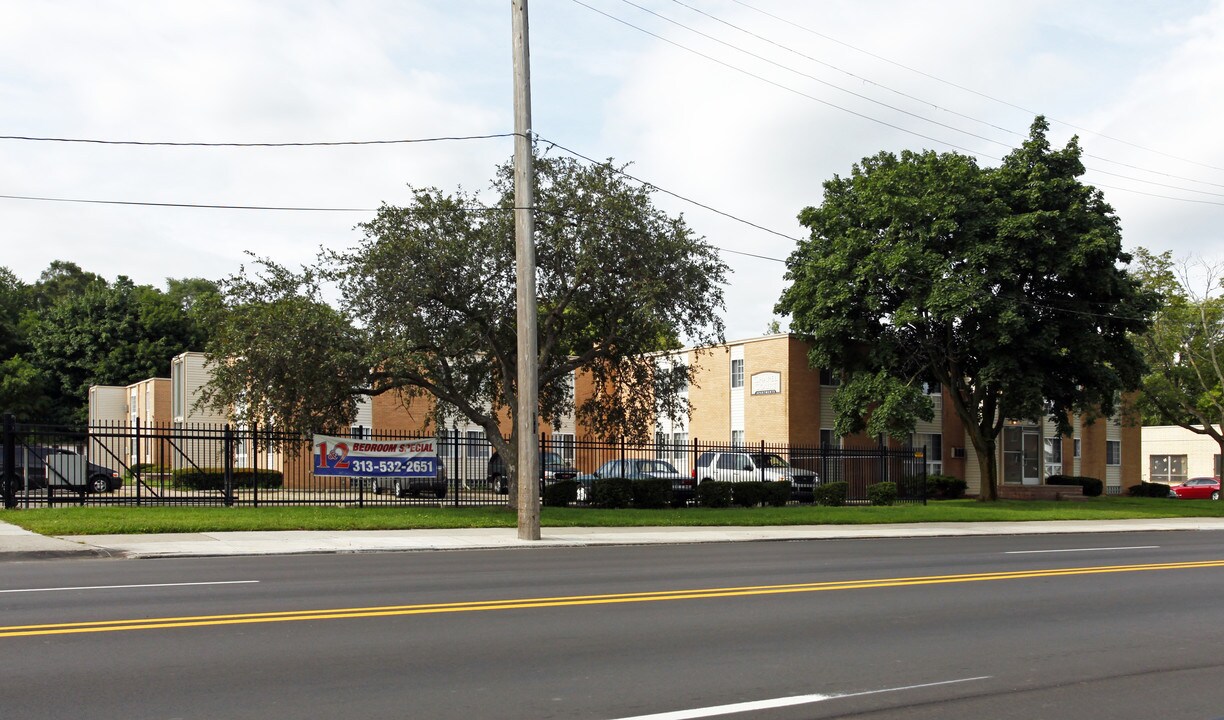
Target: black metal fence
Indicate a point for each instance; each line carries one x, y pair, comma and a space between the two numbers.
208, 465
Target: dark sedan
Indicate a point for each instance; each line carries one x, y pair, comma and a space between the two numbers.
683, 486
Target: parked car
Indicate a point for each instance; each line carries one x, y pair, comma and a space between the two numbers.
1199, 488
553, 467
32, 471
683, 486
412, 486
743, 466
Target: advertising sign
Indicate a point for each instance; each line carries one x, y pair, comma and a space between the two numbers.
346, 457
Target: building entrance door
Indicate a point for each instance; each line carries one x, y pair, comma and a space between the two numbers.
1021, 455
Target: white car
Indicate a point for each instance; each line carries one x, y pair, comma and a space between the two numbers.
743, 466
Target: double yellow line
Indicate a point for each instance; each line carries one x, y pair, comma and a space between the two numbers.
573, 600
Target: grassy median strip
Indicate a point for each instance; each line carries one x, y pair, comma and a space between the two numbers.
138, 520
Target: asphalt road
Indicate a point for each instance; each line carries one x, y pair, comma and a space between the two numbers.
1090, 626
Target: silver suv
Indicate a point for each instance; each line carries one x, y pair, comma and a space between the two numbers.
743, 466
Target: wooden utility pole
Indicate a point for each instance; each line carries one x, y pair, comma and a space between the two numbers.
524, 252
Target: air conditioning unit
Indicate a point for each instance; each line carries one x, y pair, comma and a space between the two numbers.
958, 452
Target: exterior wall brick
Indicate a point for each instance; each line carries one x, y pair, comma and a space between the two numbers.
710, 395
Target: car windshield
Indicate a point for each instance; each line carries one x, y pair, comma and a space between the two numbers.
551, 458
654, 466
770, 460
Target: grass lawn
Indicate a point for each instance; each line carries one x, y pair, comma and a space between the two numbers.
126, 520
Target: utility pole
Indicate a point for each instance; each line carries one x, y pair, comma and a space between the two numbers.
524, 253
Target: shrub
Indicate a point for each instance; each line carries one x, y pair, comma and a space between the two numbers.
561, 493
214, 478
1092, 486
612, 492
747, 494
882, 493
652, 493
945, 487
777, 494
832, 494
143, 469
714, 494
1148, 490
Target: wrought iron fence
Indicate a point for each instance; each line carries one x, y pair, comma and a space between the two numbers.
221, 465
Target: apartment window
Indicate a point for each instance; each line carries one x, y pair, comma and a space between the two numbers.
448, 440
1219, 469
477, 446
662, 451
1113, 452
359, 432
829, 439
827, 377
932, 388
563, 445
933, 442
679, 445
1053, 456
1075, 448
737, 438
737, 373
1167, 469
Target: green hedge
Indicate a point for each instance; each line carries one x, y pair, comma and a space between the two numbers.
1160, 490
560, 493
832, 494
652, 493
144, 469
214, 479
945, 487
1092, 486
612, 493
883, 493
714, 494
752, 494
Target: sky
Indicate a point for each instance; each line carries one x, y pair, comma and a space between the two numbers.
744, 106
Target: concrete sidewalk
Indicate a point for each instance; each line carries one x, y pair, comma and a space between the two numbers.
19, 544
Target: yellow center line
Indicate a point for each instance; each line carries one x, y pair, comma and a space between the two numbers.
574, 600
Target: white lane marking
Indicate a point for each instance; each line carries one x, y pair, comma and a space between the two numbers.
1090, 549
120, 587
781, 702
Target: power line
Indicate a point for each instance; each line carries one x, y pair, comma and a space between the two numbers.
161, 143
970, 90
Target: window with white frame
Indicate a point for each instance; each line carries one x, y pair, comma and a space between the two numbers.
477, 446
829, 439
679, 445
737, 373
933, 442
563, 445
1167, 469
1113, 452
737, 438
828, 377
1053, 456
1075, 448
662, 450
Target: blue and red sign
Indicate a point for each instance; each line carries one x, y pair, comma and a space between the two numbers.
346, 457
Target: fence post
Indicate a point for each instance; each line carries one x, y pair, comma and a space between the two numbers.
924, 474
136, 462
456, 471
762, 461
361, 482
543, 449
254, 464
10, 461
228, 464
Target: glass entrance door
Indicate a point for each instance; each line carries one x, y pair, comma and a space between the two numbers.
1021, 455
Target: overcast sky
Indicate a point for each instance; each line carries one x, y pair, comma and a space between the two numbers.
746, 107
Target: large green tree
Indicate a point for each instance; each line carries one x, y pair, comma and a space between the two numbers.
1004, 284
426, 306
1184, 347
99, 333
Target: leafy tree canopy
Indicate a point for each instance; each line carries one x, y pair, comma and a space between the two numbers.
1184, 347
1004, 284
426, 306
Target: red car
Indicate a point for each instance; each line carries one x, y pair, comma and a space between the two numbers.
1200, 488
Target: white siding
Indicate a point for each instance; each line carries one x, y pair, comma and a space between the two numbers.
737, 393
1200, 450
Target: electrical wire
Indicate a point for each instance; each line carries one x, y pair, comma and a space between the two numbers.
160, 143
971, 90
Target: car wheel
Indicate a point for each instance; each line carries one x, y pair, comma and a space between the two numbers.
375, 487
1215, 494
440, 493
99, 484
399, 489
